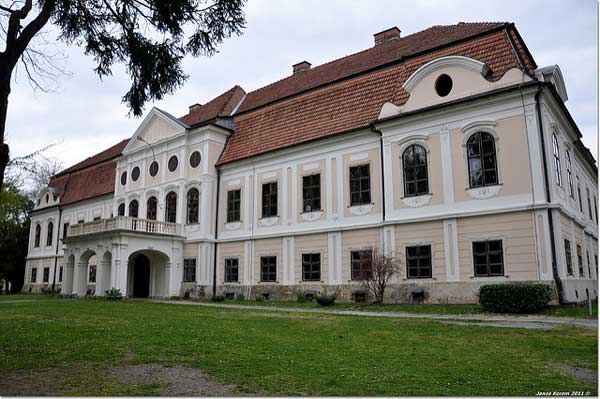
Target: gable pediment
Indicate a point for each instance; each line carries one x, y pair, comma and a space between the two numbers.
156, 127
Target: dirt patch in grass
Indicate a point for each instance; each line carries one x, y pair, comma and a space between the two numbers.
130, 380
579, 373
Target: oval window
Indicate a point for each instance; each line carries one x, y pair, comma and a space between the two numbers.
153, 168
443, 85
123, 178
195, 159
135, 173
173, 162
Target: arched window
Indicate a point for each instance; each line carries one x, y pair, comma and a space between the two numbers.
556, 152
171, 207
193, 198
38, 233
569, 173
151, 208
121, 210
481, 155
414, 160
133, 209
50, 234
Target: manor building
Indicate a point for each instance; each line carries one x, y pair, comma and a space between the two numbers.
449, 148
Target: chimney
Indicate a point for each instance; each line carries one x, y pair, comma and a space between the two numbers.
301, 66
387, 35
195, 107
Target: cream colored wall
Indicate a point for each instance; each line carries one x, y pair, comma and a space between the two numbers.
434, 170
268, 247
311, 243
230, 250
190, 250
512, 155
374, 161
353, 240
518, 243
422, 233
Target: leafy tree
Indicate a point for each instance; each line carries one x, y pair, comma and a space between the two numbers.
150, 37
14, 234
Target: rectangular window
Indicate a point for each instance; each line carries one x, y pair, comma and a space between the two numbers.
360, 265
589, 203
311, 267
269, 199
96, 218
231, 270
579, 195
92, 275
595, 208
488, 258
268, 268
65, 230
189, 270
311, 193
360, 185
233, 206
596, 263
34, 274
60, 273
579, 260
418, 261
46, 275
589, 265
568, 260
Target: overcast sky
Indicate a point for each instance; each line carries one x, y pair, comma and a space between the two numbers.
85, 115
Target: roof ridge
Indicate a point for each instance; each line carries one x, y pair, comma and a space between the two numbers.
80, 165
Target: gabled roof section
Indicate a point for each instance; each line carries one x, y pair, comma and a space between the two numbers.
109, 153
169, 124
221, 106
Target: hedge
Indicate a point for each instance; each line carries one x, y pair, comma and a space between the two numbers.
514, 298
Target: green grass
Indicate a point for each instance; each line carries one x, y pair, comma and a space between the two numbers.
29, 297
274, 353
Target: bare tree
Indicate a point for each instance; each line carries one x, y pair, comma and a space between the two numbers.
382, 268
31, 173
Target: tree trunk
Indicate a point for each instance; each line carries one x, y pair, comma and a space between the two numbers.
5, 74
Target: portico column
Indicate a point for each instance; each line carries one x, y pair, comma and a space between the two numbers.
168, 270
67, 286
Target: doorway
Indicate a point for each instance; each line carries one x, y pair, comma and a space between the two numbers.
141, 277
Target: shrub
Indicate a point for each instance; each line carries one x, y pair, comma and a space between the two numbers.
514, 298
325, 300
301, 297
186, 294
240, 297
259, 298
113, 295
218, 298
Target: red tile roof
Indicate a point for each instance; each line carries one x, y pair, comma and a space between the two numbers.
319, 110
220, 106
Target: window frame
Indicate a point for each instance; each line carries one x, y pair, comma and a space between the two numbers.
568, 257
311, 262
171, 207
37, 236
478, 138
414, 166
152, 208
487, 253
92, 276
46, 275
579, 259
557, 163
49, 233
270, 274
192, 206
418, 258
361, 267
234, 206
33, 277
311, 185
65, 230
589, 201
121, 209
187, 267
360, 195
133, 212
269, 199
568, 166
227, 270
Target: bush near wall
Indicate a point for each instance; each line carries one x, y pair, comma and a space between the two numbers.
514, 298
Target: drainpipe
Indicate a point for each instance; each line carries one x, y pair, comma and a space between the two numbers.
375, 130
58, 241
555, 273
214, 288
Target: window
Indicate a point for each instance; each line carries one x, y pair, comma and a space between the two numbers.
80, 221
92, 275
193, 200
231, 270
135, 173
171, 207
596, 263
587, 253
38, 233
569, 173
189, 270
487, 258
151, 208
556, 152
481, 157
121, 210
360, 264
414, 161
195, 159
123, 178
60, 274
65, 230
269, 199
579, 194
595, 208
311, 267
589, 203
46, 275
268, 268
49, 234
153, 168
568, 260
97, 218
233, 206
360, 185
311, 193
418, 261
173, 162
34, 274
133, 208
443, 85
580, 260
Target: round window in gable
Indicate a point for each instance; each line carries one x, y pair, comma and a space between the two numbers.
153, 168
135, 173
443, 85
195, 159
173, 162
123, 178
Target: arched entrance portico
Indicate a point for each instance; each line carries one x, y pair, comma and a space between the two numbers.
148, 274
141, 276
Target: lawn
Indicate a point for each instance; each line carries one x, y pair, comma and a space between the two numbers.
28, 297
72, 346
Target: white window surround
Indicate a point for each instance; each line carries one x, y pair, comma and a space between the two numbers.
361, 210
421, 140
269, 221
444, 62
311, 216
